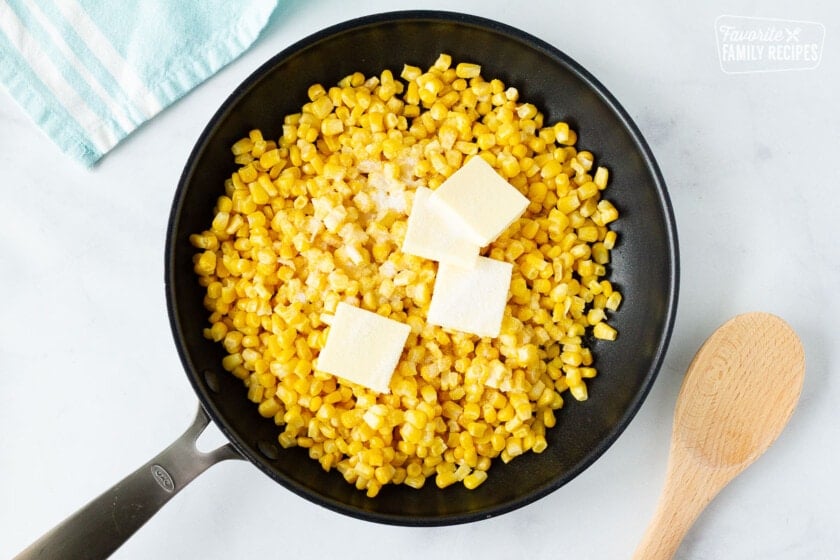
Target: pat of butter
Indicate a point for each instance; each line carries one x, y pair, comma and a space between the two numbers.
482, 199
472, 300
434, 234
363, 347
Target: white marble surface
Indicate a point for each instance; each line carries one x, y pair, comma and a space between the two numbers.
91, 387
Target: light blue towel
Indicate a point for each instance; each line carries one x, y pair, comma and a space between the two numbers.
89, 72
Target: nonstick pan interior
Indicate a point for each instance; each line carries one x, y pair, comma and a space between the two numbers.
644, 263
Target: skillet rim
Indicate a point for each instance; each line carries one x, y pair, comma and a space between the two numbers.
544, 49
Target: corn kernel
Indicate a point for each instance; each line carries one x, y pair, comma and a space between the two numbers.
613, 301
603, 331
474, 479
568, 203
467, 70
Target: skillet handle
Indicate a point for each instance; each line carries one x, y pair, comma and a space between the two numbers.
103, 525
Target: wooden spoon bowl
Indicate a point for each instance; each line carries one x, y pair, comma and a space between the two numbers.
738, 394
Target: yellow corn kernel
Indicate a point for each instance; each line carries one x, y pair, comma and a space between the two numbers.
315, 91
603, 331
589, 234
410, 73
231, 361
595, 316
375, 417
600, 253
568, 204
268, 408
443, 62
551, 169
474, 479
467, 70
586, 159
607, 212
331, 126
588, 372
270, 158
587, 190
206, 263
526, 111
217, 332
601, 177
579, 391
510, 167
561, 132
287, 440
613, 301
416, 418
242, 146
444, 479
322, 106
415, 482
248, 173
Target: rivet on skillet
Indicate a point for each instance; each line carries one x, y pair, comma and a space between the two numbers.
212, 380
268, 449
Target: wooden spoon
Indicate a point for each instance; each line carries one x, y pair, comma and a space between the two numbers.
737, 396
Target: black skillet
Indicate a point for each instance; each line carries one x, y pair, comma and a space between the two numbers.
644, 266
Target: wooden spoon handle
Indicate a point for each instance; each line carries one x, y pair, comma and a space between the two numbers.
666, 530
689, 487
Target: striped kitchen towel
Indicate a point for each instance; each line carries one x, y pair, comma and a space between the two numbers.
89, 72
